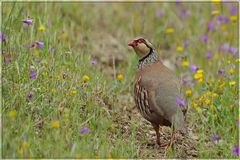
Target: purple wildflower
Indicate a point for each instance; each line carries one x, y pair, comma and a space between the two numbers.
28, 21
31, 46
211, 26
205, 38
178, 2
30, 95
222, 19
94, 62
232, 66
226, 47
215, 138
39, 44
234, 10
226, 20
185, 81
2, 37
209, 55
194, 68
236, 150
32, 74
185, 13
180, 102
186, 44
159, 13
220, 72
8, 58
51, 49
84, 130
232, 50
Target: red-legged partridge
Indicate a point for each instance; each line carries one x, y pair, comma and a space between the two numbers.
156, 89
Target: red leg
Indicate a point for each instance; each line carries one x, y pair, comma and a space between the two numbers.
156, 128
169, 143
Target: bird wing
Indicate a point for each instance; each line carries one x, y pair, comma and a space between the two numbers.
141, 97
166, 90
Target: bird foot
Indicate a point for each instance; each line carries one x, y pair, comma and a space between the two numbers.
162, 144
165, 144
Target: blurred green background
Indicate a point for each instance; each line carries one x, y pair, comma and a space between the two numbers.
67, 78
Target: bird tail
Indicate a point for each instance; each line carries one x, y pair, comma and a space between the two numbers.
179, 122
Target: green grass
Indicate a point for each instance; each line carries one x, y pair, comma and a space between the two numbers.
82, 32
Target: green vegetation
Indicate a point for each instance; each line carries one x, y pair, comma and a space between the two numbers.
71, 96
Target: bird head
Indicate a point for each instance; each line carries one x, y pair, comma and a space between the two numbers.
141, 46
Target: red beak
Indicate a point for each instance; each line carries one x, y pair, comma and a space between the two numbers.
132, 43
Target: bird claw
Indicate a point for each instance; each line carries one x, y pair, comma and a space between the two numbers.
165, 144
162, 144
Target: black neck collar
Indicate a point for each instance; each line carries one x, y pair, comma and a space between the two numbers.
142, 59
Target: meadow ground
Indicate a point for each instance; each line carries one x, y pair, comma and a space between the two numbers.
67, 78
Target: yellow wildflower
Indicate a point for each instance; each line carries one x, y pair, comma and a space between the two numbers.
55, 124
207, 101
86, 78
215, 12
169, 30
238, 60
26, 145
232, 71
211, 106
216, 1
200, 99
224, 27
199, 75
36, 53
41, 28
120, 77
234, 18
12, 114
222, 85
214, 95
232, 83
179, 48
200, 80
73, 92
188, 92
20, 152
208, 93
200, 71
185, 63
194, 104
